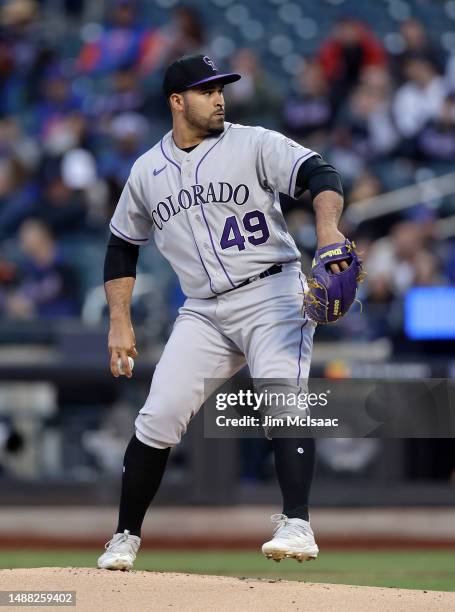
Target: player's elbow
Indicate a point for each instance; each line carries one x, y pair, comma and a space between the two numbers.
316, 175
327, 179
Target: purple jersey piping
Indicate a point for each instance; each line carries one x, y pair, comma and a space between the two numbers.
293, 170
301, 334
203, 213
168, 158
300, 351
128, 237
192, 233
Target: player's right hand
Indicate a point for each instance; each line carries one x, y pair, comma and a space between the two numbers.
121, 343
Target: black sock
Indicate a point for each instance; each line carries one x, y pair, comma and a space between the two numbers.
143, 469
294, 464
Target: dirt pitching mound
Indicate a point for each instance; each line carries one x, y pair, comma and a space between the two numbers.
100, 590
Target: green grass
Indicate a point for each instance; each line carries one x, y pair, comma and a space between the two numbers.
413, 569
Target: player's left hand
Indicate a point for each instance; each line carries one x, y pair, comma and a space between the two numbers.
333, 236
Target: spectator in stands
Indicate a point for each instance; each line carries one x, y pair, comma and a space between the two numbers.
64, 210
381, 309
183, 35
88, 191
124, 94
120, 42
365, 125
436, 142
308, 114
68, 177
415, 41
15, 142
25, 54
54, 124
342, 57
19, 195
395, 263
402, 260
47, 287
366, 186
128, 133
8, 82
253, 100
8, 279
364, 130
427, 270
420, 98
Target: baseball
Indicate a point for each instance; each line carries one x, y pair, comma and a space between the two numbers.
120, 365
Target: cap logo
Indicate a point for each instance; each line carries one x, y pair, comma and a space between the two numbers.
208, 60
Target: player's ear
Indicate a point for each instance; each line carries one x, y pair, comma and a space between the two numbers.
176, 101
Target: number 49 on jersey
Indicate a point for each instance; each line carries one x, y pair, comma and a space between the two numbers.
254, 228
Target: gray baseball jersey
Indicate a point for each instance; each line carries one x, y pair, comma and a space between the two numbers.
214, 212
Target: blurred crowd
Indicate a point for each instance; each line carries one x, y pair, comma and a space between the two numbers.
71, 126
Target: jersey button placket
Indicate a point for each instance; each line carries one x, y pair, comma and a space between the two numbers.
188, 167
199, 228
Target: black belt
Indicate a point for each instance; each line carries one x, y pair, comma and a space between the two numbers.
275, 269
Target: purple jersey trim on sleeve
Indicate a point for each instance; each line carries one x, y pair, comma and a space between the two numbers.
128, 237
203, 213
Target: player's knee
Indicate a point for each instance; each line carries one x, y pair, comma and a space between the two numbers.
159, 430
143, 437
282, 417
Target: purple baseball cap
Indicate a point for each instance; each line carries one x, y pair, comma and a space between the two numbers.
193, 70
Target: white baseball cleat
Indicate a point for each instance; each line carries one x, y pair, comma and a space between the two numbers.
120, 552
293, 539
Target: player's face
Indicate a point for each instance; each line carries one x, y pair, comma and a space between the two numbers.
204, 108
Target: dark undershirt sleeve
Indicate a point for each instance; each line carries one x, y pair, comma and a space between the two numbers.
121, 259
317, 175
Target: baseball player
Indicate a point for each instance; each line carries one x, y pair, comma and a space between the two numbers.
208, 192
